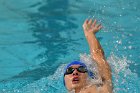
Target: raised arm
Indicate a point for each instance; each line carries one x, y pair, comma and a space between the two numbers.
97, 53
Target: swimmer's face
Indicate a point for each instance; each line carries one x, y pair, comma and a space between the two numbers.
75, 79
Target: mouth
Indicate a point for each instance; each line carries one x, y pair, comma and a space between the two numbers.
75, 80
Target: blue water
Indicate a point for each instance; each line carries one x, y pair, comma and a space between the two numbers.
38, 36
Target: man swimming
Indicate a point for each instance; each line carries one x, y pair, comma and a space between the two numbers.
76, 73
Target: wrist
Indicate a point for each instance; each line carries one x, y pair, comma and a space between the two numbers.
90, 37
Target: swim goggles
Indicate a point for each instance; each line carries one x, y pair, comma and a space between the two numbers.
80, 69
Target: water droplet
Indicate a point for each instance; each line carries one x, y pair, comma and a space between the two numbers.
123, 8
41, 89
129, 47
119, 41
103, 11
93, 17
3, 90
124, 47
138, 18
130, 55
129, 42
115, 22
130, 35
135, 8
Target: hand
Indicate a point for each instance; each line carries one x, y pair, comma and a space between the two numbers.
90, 27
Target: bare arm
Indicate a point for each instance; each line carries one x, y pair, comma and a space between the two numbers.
97, 53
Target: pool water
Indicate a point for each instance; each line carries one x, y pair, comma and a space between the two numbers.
38, 37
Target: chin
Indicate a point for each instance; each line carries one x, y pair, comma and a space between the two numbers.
76, 86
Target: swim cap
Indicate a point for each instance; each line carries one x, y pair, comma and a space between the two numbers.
91, 74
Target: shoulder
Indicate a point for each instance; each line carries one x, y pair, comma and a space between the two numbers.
101, 88
105, 87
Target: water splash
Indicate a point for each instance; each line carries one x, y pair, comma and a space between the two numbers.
124, 80
92, 66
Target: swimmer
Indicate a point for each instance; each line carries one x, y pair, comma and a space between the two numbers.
76, 72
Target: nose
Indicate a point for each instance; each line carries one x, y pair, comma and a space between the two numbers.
75, 72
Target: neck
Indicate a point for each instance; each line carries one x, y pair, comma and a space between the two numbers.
77, 90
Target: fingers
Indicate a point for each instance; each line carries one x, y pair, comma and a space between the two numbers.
94, 23
100, 27
89, 24
85, 23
